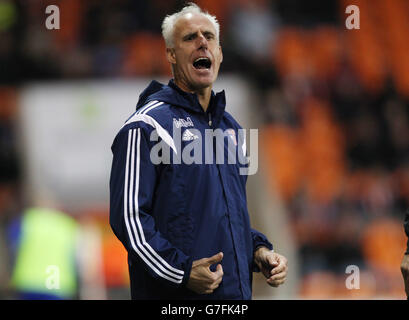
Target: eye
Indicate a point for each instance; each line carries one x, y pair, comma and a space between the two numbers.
189, 37
209, 36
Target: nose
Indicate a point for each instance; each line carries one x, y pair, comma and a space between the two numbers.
202, 41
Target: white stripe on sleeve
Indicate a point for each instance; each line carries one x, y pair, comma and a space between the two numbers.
142, 248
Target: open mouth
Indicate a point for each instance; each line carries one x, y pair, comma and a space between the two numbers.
202, 63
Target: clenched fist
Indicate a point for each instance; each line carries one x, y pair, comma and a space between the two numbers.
202, 280
272, 265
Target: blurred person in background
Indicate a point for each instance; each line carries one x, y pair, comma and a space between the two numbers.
186, 227
405, 261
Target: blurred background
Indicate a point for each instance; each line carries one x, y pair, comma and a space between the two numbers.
331, 106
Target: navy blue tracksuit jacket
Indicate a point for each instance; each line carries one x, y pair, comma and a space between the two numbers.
171, 213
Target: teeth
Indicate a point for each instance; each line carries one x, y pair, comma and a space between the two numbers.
202, 63
199, 59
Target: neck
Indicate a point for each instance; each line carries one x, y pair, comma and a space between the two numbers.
203, 94
204, 97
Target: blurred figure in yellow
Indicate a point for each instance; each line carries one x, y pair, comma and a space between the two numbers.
405, 261
43, 243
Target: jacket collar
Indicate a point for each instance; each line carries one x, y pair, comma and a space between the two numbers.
173, 95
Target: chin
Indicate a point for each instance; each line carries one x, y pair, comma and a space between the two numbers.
204, 83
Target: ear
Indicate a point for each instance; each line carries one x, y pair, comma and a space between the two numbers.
171, 55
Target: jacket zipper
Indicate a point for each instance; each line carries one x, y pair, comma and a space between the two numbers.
210, 119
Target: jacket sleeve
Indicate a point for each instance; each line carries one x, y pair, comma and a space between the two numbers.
260, 240
406, 226
132, 186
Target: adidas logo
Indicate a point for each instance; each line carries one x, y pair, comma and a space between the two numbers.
188, 136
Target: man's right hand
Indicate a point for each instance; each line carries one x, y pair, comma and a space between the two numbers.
202, 280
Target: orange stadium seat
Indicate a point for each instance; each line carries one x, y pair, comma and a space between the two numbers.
395, 18
145, 55
383, 244
325, 50
312, 156
290, 55
113, 254
115, 261
279, 147
364, 48
380, 45
313, 53
367, 59
322, 146
70, 22
219, 8
162, 65
319, 285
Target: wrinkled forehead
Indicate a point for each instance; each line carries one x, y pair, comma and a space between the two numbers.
193, 22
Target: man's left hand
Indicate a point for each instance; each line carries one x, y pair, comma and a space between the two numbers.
272, 265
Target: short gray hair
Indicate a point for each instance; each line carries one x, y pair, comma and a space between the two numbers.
168, 24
